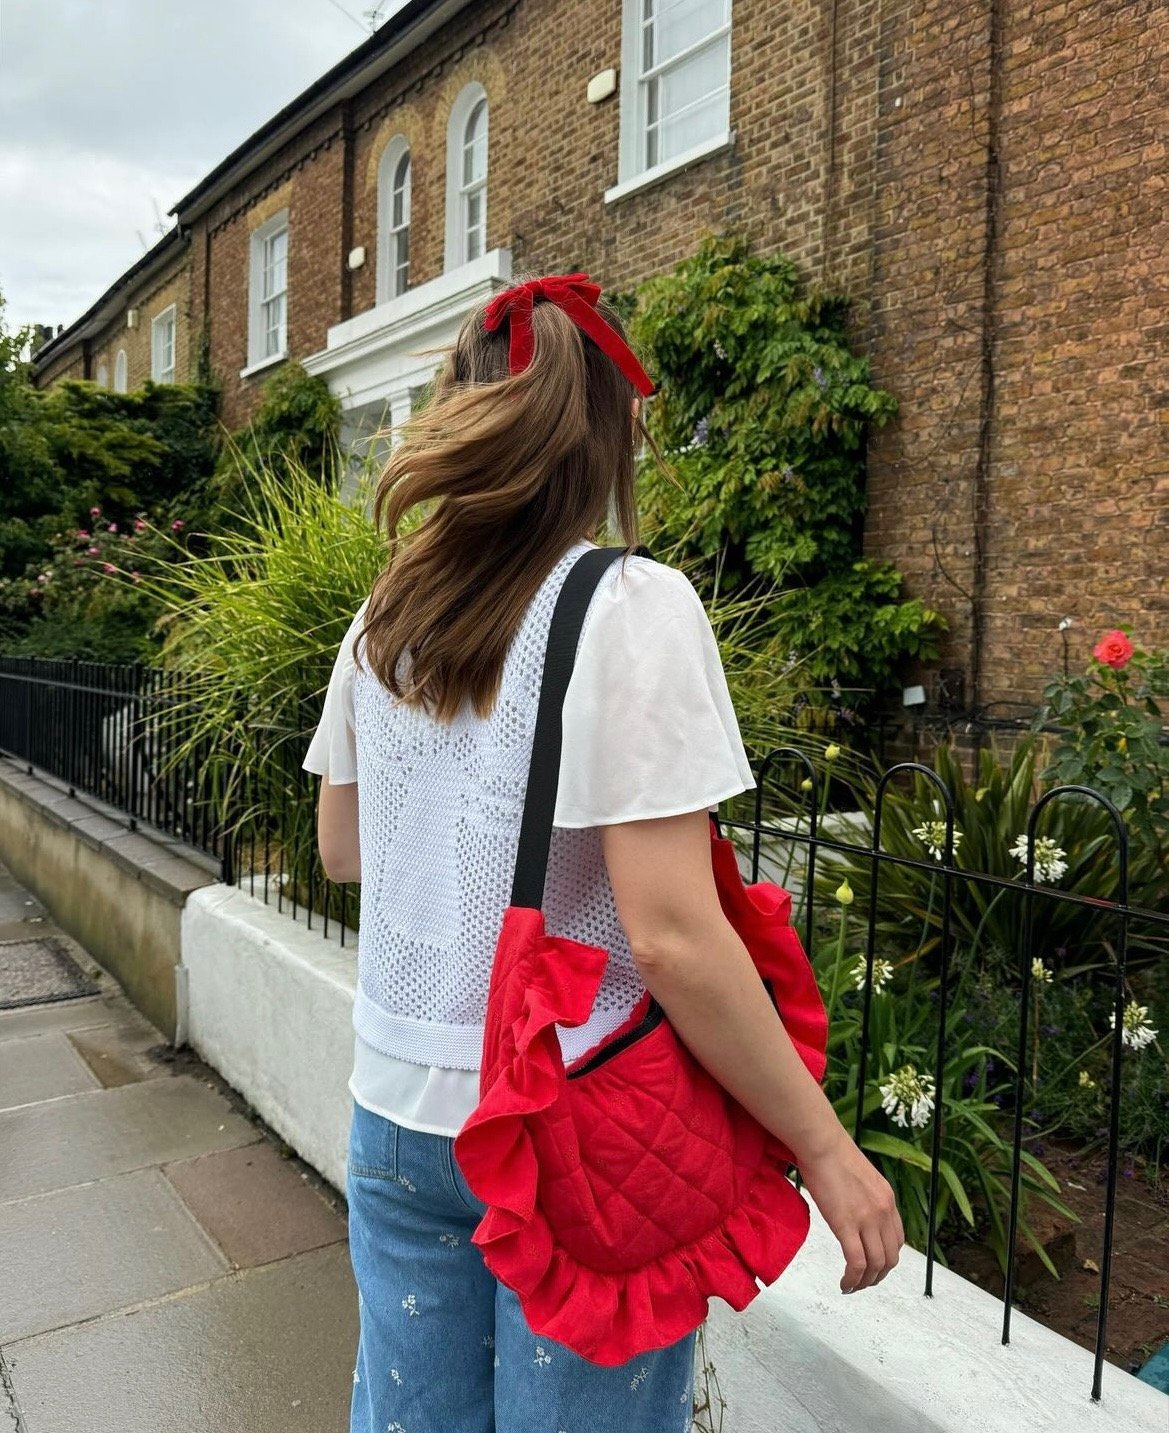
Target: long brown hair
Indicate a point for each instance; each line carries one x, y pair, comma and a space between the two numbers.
512, 470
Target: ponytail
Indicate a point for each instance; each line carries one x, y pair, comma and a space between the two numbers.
513, 469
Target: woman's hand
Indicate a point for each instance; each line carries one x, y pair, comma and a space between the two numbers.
858, 1205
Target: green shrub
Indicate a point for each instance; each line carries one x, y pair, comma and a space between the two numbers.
901, 1102
1113, 737
763, 413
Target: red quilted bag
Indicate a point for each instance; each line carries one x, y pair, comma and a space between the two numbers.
624, 1190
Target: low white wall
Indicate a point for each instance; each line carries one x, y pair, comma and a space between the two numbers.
806, 1358
270, 1006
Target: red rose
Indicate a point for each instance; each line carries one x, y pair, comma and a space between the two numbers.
1113, 649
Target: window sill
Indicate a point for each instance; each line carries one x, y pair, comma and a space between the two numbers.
649, 177
263, 363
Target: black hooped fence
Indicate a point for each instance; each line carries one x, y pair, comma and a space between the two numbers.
109, 731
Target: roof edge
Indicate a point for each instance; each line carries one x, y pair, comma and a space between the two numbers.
403, 32
99, 313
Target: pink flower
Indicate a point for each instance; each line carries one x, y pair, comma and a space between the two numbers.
108, 567
93, 551
113, 527
176, 526
139, 525
95, 512
135, 576
82, 535
1114, 650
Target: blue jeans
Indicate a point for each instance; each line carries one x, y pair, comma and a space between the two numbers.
444, 1347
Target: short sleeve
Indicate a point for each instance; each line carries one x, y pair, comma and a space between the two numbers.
649, 729
333, 749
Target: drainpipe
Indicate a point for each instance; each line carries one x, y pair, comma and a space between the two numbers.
986, 407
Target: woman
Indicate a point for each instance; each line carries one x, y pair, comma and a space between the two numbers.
526, 448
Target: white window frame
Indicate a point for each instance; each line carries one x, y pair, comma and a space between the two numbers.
103, 374
393, 276
633, 168
259, 354
121, 375
466, 102
162, 362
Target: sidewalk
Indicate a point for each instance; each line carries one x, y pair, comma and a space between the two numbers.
163, 1265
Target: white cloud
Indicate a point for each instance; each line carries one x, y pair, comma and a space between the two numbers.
110, 109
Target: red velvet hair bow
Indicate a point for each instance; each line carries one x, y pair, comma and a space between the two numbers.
577, 295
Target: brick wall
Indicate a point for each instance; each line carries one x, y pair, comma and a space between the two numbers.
173, 288
985, 181
83, 358
1035, 324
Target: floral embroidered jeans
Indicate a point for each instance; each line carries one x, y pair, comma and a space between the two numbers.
443, 1346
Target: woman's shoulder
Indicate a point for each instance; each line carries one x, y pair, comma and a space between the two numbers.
352, 634
650, 600
644, 609
646, 583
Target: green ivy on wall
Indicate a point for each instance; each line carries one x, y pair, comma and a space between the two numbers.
763, 414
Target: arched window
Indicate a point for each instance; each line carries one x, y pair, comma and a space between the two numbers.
121, 381
466, 226
103, 374
394, 174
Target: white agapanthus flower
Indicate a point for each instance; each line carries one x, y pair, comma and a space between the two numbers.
1135, 1031
908, 1096
1050, 862
882, 975
1039, 971
932, 835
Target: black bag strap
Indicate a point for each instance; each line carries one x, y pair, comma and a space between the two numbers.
531, 866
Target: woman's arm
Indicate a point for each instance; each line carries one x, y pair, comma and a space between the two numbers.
694, 963
337, 831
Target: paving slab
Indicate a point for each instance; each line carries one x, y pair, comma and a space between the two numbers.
255, 1204
42, 1067
16, 904
116, 1060
131, 1235
64, 1015
106, 1132
123, 1047
267, 1350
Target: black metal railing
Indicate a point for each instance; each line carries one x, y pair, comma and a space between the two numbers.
803, 835
111, 732
129, 736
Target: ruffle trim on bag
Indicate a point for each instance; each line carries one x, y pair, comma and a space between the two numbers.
761, 913
609, 1317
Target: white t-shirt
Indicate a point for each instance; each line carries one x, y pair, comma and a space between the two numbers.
649, 732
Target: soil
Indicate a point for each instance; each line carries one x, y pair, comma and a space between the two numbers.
1138, 1306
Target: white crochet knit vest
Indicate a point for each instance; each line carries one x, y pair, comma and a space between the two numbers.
439, 815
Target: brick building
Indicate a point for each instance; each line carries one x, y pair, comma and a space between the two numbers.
987, 181
138, 329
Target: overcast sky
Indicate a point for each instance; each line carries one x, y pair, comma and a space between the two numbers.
111, 110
